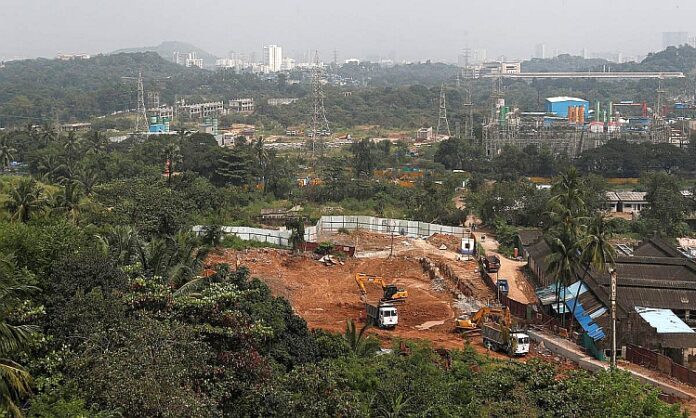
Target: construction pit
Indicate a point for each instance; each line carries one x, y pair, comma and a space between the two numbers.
326, 295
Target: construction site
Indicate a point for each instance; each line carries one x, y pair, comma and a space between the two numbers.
326, 295
444, 296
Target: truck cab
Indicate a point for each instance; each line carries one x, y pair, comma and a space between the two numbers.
521, 343
388, 317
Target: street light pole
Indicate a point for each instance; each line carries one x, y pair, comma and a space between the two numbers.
613, 276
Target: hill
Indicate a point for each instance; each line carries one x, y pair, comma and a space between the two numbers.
167, 49
38, 89
563, 62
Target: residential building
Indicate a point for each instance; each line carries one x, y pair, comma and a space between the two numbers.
201, 110
293, 131
500, 67
71, 57
424, 134
188, 59
281, 101
273, 58
242, 105
76, 127
540, 51
288, 64
626, 202
674, 38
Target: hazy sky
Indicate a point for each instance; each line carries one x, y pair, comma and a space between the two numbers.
408, 29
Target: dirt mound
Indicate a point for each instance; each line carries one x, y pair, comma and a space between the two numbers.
450, 241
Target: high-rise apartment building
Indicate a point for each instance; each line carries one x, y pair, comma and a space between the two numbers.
273, 58
674, 38
540, 51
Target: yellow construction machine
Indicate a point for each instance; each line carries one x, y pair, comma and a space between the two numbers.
392, 293
474, 321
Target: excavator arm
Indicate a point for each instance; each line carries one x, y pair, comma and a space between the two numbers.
391, 291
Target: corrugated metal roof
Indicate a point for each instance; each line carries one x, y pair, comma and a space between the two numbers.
565, 99
663, 320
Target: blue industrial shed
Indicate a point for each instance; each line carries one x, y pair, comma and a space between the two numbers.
559, 105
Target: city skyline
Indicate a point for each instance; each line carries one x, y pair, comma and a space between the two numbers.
386, 29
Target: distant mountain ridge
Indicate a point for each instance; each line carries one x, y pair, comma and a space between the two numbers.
167, 49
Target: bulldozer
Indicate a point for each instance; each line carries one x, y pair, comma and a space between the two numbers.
391, 293
474, 321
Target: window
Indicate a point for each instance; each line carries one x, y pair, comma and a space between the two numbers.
523, 340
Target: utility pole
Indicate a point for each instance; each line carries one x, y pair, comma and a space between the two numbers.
613, 276
442, 121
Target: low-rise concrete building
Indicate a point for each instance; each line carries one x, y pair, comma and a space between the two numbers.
627, 202
424, 134
242, 105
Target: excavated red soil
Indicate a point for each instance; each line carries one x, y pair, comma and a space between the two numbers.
327, 296
450, 241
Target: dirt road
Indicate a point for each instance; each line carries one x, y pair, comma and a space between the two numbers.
520, 289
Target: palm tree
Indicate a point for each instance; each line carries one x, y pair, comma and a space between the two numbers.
49, 166
72, 146
562, 263
87, 177
597, 252
14, 380
187, 259
172, 153
154, 257
360, 344
262, 159
48, 135
6, 151
25, 199
68, 201
96, 142
121, 241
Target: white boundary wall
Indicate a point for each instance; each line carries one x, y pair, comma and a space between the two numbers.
332, 224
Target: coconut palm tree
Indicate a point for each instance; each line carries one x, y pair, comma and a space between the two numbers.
597, 252
172, 154
69, 201
562, 263
262, 157
6, 151
121, 241
360, 344
25, 199
49, 166
48, 135
15, 381
187, 258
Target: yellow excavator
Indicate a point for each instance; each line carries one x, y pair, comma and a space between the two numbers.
474, 321
392, 293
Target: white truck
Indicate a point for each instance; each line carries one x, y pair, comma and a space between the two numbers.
382, 314
499, 338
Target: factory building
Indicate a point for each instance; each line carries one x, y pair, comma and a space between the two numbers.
559, 105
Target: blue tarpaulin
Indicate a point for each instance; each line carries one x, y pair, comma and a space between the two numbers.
586, 321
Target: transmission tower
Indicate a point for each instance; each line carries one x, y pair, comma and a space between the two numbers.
442, 121
320, 125
469, 105
141, 113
